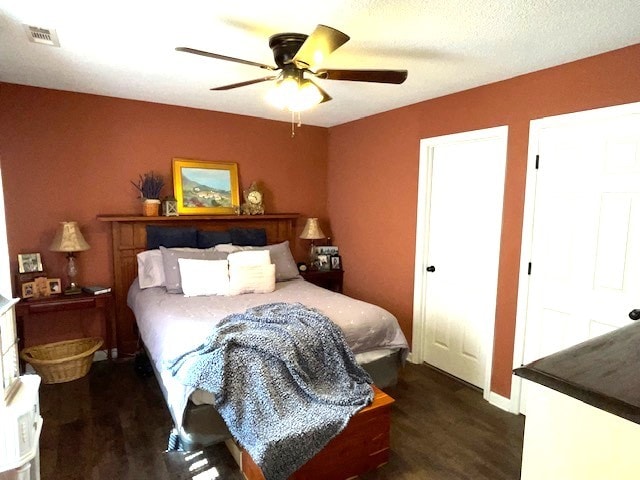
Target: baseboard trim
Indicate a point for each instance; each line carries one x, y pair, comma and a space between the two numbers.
499, 401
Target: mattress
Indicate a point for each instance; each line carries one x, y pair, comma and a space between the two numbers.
171, 324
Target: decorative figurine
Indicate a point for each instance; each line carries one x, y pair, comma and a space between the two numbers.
170, 207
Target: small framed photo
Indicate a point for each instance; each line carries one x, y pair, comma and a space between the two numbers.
55, 286
326, 250
28, 289
336, 262
323, 261
29, 262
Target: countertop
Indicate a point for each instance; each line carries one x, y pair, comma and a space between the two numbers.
603, 372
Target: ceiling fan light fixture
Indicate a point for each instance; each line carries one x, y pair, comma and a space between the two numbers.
294, 95
308, 96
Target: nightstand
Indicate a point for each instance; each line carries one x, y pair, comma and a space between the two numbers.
329, 279
60, 303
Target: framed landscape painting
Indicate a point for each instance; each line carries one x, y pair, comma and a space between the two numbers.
206, 188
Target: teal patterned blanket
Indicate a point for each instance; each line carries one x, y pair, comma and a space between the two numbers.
284, 380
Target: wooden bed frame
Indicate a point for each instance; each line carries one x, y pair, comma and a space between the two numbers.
362, 446
129, 237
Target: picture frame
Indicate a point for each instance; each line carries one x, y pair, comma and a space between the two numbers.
205, 188
41, 287
29, 262
21, 278
323, 262
336, 262
326, 250
55, 286
28, 289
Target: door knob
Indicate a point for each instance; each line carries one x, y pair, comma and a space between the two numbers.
634, 314
431, 268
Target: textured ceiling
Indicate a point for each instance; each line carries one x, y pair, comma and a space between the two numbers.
126, 48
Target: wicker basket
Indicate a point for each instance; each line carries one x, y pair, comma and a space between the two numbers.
62, 361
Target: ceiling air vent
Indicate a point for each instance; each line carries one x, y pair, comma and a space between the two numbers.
44, 36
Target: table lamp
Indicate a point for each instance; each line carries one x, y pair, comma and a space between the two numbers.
312, 231
69, 239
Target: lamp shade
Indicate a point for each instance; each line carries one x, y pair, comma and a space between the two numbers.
69, 238
312, 230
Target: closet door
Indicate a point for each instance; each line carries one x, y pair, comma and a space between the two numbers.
459, 246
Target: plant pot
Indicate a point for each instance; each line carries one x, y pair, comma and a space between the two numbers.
151, 207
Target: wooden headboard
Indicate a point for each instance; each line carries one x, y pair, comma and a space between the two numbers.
129, 236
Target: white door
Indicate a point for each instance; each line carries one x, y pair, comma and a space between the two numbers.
585, 247
458, 250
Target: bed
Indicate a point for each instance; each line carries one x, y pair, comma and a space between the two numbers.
371, 332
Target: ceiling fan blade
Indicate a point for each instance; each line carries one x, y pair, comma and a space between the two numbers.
244, 84
325, 96
376, 76
322, 41
224, 57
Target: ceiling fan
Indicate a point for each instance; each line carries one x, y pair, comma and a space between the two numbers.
295, 55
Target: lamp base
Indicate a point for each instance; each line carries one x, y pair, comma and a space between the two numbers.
313, 264
72, 272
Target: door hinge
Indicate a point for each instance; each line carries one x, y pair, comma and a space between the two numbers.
529, 269
537, 161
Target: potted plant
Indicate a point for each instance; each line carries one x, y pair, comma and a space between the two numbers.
150, 185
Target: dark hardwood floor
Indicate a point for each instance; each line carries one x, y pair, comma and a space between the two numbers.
113, 425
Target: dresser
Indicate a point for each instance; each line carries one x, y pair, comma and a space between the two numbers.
19, 406
583, 410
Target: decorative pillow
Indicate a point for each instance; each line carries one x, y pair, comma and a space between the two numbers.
207, 238
170, 258
251, 278
204, 277
281, 257
150, 269
248, 257
171, 237
228, 248
248, 236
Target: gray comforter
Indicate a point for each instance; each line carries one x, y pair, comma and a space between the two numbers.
284, 381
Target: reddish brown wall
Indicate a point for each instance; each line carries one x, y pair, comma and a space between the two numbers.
373, 172
69, 156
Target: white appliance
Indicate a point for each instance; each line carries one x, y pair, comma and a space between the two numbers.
20, 420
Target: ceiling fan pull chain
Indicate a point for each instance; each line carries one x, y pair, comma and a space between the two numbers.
293, 125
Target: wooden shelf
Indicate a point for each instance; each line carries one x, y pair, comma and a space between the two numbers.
62, 303
192, 218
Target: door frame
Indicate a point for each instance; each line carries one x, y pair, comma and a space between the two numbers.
425, 176
536, 128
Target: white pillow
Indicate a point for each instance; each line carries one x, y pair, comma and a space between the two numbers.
204, 277
150, 269
249, 257
251, 278
280, 254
